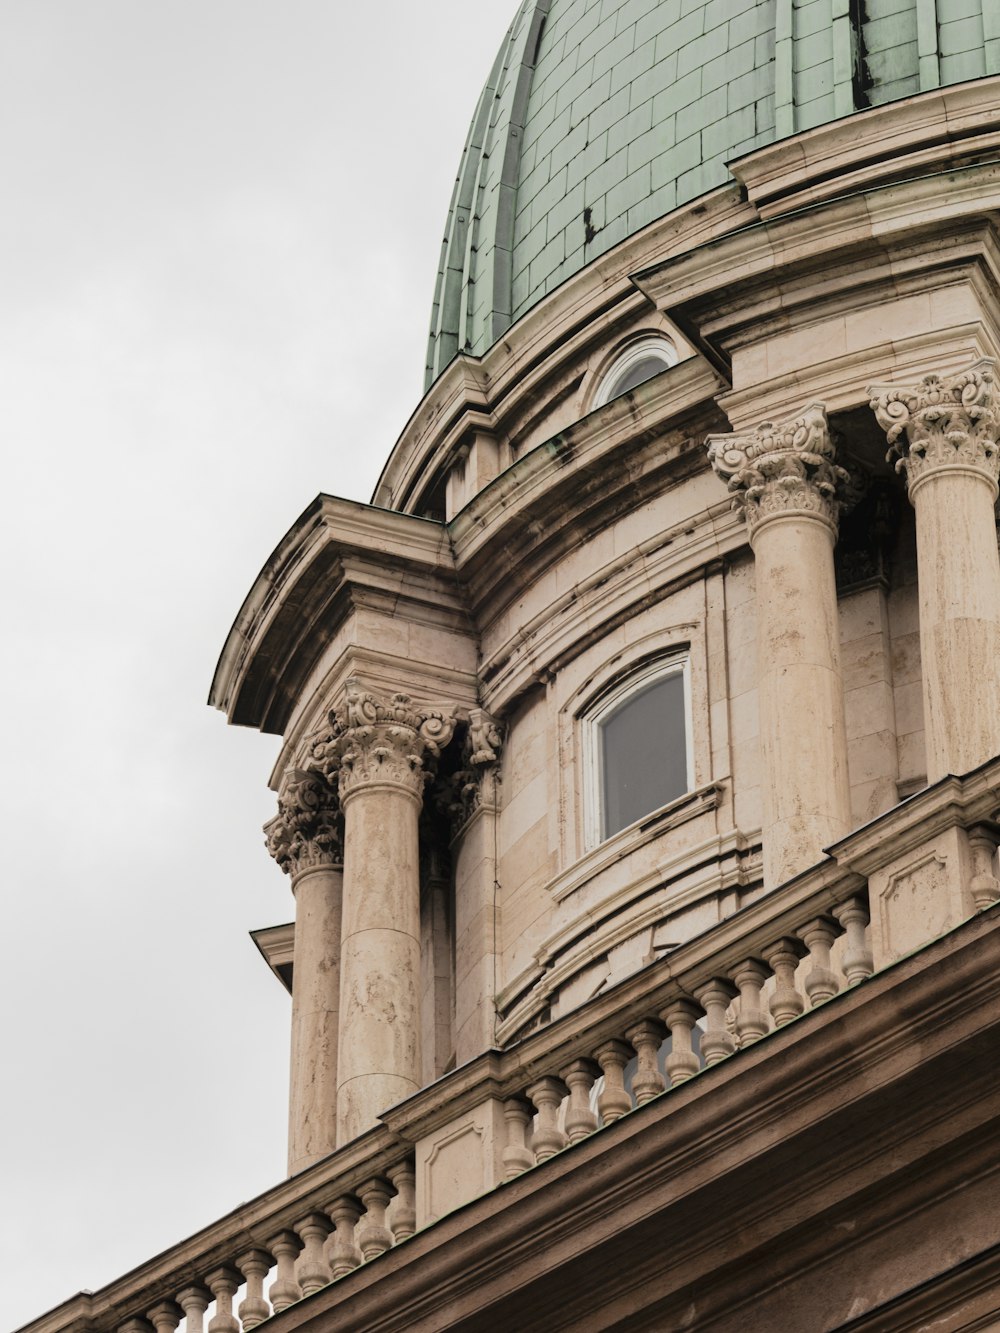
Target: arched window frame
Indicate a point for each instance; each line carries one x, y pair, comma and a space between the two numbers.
652, 346
601, 711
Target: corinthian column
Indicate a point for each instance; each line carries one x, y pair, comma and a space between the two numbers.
943, 435
784, 479
384, 748
305, 840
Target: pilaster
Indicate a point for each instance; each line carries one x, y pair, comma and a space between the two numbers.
473, 804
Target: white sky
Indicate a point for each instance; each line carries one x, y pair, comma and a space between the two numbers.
218, 241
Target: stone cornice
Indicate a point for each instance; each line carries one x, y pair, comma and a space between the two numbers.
336, 554
816, 234
504, 539
871, 146
544, 343
862, 152
276, 945
571, 455
824, 257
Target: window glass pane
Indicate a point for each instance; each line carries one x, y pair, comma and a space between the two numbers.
638, 373
643, 753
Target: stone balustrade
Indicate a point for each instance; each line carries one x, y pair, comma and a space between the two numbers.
722, 1005
780, 960
265, 1256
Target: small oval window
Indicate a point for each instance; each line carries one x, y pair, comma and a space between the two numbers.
638, 363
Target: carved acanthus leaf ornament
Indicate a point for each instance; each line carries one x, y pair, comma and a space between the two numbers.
386, 740
307, 830
474, 784
781, 468
941, 422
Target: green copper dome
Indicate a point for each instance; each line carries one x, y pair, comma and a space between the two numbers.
601, 115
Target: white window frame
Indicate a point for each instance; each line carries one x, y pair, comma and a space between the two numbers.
656, 344
591, 721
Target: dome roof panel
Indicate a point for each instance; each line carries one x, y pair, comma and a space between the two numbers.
600, 116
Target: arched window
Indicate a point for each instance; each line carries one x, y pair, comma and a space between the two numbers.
639, 742
639, 362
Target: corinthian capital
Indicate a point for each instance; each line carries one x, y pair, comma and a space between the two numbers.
474, 784
306, 832
941, 422
389, 740
781, 468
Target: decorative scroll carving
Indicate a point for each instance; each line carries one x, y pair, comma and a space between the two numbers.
322, 754
474, 784
308, 829
377, 740
941, 422
781, 468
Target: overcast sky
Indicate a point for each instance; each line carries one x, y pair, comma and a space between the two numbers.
218, 242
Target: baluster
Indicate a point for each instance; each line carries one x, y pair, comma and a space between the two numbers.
342, 1252
223, 1283
374, 1236
984, 885
782, 958
194, 1301
614, 1101
404, 1208
580, 1078
312, 1271
821, 984
647, 1038
547, 1095
717, 1041
165, 1316
517, 1156
135, 1325
682, 1063
284, 1290
857, 962
254, 1309
751, 1021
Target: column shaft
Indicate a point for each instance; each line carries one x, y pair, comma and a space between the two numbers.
806, 796
959, 584
379, 1058
312, 1108
786, 481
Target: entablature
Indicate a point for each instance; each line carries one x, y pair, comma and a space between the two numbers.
873, 146
803, 305
339, 559
546, 350
602, 465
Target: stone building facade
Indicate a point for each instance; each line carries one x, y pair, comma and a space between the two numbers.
640, 782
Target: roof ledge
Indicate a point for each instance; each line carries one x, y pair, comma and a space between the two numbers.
335, 551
